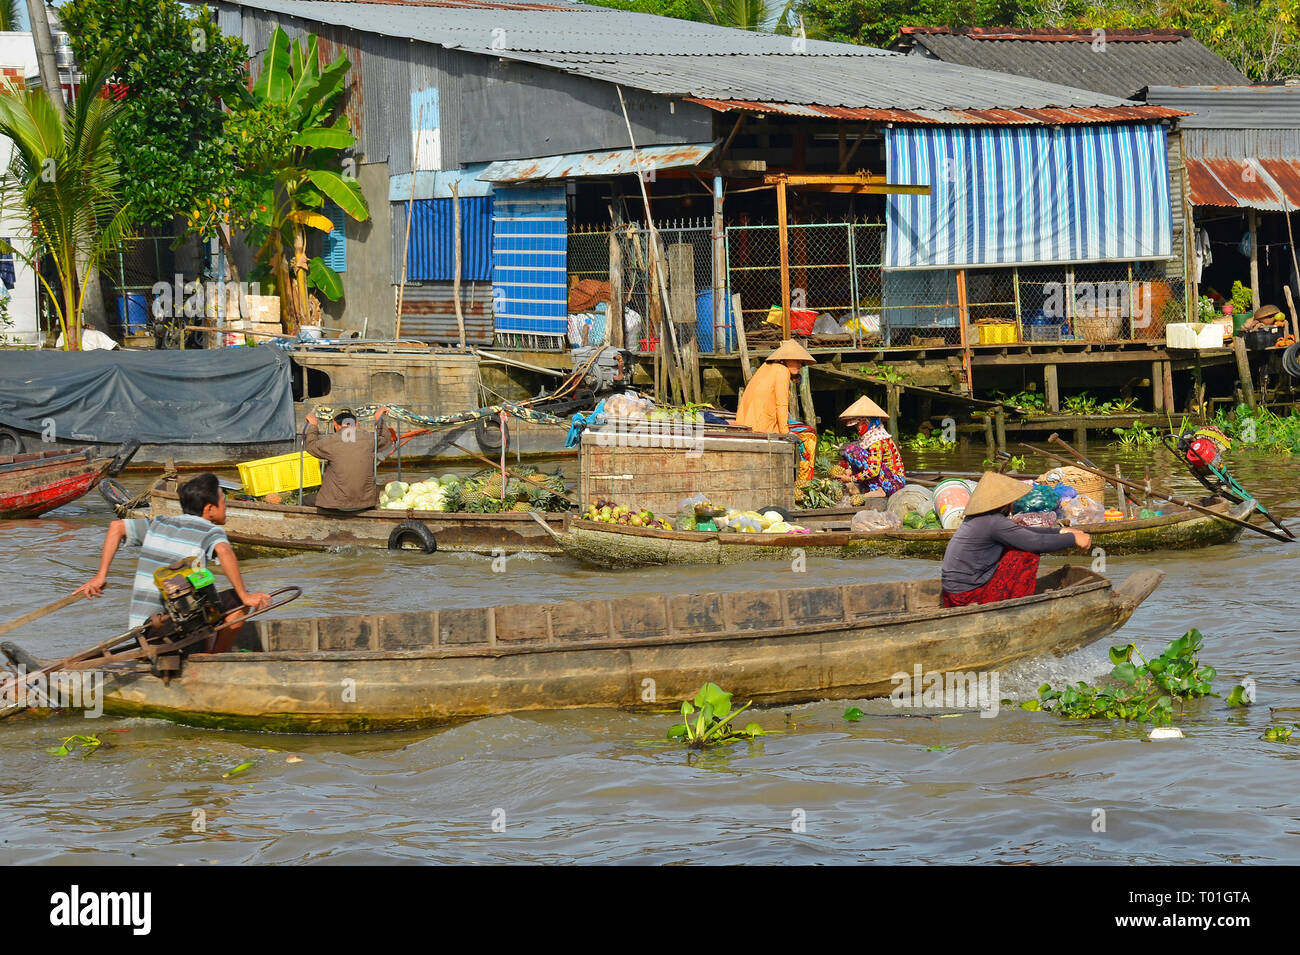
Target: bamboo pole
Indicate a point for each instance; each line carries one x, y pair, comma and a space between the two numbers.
455, 275
406, 243
783, 228
963, 319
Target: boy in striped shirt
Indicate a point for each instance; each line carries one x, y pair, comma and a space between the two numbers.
164, 540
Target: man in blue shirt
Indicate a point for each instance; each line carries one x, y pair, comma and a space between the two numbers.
163, 540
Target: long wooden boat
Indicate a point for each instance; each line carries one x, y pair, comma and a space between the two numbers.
616, 546
404, 670
255, 527
39, 481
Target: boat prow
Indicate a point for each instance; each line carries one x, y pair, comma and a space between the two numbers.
406, 670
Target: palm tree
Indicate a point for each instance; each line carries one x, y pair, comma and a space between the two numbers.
9, 15
758, 15
67, 177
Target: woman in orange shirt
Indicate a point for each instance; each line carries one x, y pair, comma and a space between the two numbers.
765, 405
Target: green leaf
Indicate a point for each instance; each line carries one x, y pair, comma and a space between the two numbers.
1126, 672
1120, 654
273, 82
323, 278
1033, 705
322, 137
753, 729
677, 731
935, 749
1237, 697
345, 193
853, 714
242, 767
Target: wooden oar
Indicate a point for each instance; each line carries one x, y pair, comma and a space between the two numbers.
27, 618
496, 466
1159, 493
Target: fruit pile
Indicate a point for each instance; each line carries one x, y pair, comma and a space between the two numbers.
607, 512
480, 494
822, 492
1286, 341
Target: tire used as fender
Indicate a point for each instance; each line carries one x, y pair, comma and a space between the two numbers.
114, 493
488, 434
11, 442
125, 452
413, 532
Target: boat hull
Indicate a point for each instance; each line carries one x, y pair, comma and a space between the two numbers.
268, 529
615, 546
770, 646
30, 488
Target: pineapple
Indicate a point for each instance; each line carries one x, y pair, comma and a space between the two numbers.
521, 507
452, 497
471, 496
857, 500
491, 485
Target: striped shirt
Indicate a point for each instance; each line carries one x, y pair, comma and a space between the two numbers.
164, 540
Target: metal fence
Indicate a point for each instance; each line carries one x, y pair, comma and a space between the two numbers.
839, 292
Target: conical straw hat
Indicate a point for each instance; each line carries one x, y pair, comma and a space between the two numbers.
864, 407
791, 351
994, 492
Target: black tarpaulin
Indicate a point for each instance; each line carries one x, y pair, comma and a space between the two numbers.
206, 396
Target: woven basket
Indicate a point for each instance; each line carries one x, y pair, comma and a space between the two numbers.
1086, 484
1100, 328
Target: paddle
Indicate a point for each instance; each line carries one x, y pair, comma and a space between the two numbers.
27, 618
1159, 493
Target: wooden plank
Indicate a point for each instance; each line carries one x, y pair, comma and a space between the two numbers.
745, 366
1243, 369
1157, 386
1051, 388
1168, 385
616, 289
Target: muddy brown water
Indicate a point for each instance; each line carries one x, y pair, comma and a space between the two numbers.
593, 785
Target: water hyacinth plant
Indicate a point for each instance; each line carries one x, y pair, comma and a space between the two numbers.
707, 720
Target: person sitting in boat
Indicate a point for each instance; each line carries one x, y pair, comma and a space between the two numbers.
765, 405
992, 558
870, 464
348, 483
163, 540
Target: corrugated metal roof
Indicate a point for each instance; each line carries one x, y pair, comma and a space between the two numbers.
962, 117
1272, 185
1232, 107
683, 58
1126, 63
610, 162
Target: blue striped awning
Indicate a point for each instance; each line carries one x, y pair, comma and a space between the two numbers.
432, 254
530, 241
1028, 195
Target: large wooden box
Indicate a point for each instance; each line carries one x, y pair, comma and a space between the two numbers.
656, 471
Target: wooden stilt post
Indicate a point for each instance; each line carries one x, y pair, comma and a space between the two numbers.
784, 241
1243, 369
1157, 386
989, 441
614, 317
805, 393
1051, 388
1000, 427
963, 319
893, 396
1252, 222
1169, 385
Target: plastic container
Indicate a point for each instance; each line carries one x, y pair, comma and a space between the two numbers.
133, 312
1262, 338
912, 499
278, 474
704, 327
949, 494
952, 518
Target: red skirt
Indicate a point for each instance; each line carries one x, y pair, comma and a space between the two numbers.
1016, 576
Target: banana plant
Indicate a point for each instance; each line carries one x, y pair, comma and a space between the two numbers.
297, 144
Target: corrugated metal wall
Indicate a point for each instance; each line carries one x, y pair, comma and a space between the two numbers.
432, 252
1240, 143
429, 312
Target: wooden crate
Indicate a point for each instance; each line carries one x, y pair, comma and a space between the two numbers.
744, 473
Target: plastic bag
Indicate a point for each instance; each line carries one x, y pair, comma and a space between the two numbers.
864, 522
826, 325
1040, 498
688, 503
1083, 510
1035, 518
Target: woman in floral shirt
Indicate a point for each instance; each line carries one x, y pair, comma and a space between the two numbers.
872, 462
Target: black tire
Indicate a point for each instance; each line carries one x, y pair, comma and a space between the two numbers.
1290, 362
487, 432
125, 452
785, 515
11, 442
413, 532
113, 492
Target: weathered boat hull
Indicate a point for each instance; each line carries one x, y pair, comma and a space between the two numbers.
273, 528
615, 546
42, 482
396, 671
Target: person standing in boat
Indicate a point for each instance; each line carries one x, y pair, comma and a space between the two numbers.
870, 464
196, 532
765, 405
990, 556
348, 484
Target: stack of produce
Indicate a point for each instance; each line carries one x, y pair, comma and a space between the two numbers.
481, 494
819, 492
608, 512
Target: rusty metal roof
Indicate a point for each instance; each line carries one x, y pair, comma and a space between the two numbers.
610, 162
959, 117
1272, 185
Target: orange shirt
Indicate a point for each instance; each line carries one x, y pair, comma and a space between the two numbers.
765, 405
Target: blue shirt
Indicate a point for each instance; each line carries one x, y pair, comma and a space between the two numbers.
162, 541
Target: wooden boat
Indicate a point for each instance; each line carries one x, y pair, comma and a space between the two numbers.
255, 527
772, 646
617, 546
39, 481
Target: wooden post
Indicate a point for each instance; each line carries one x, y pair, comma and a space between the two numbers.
1119, 489
893, 401
1243, 369
406, 243
1051, 388
456, 265
1081, 439
988, 437
1290, 306
721, 345
784, 240
614, 317
1252, 220
1000, 427
805, 394
1168, 385
963, 319
681, 297
745, 367
1157, 386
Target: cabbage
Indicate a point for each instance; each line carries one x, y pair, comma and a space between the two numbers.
769, 518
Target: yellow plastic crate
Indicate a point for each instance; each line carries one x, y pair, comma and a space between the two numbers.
278, 474
997, 334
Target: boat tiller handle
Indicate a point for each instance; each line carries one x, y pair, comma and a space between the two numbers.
293, 592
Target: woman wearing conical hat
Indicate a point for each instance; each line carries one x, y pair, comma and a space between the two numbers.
991, 557
765, 405
870, 464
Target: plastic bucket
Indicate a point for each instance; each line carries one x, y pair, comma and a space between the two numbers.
952, 518
911, 499
133, 312
704, 327
949, 494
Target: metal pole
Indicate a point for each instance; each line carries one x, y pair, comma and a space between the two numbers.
501, 420
784, 242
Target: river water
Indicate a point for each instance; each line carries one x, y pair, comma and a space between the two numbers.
596, 786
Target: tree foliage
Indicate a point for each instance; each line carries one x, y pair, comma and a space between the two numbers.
173, 70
